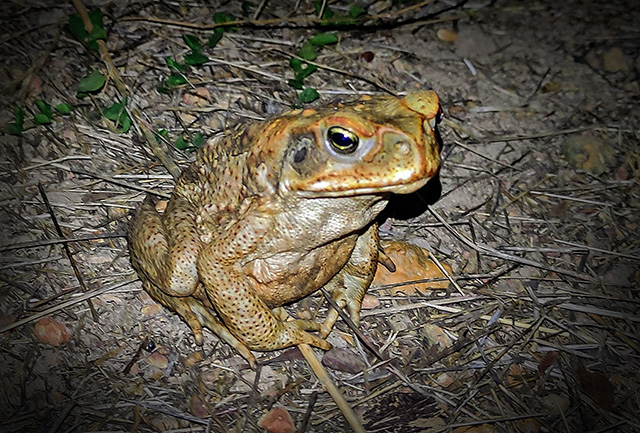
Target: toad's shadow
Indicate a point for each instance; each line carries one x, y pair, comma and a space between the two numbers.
407, 206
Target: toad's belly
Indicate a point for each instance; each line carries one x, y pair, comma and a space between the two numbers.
287, 277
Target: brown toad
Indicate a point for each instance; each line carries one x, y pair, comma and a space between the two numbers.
276, 210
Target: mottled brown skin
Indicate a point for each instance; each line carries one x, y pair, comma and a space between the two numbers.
276, 210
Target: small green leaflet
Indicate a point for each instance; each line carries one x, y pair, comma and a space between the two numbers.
173, 64
16, 128
44, 117
176, 80
355, 11
119, 115
309, 94
183, 144
308, 51
76, 27
215, 37
323, 39
193, 42
63, 108
92, 82
195, 58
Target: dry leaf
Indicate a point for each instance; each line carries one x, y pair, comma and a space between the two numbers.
193, 358
546, 362
614, 60
49, 331
515, 375
369, 302
158, 360
197, 406
587, 152
444, 380
447, 35
436, 336
597, 386
367, 56
277, 420
343, 360
556, 404
528, 425
412, 263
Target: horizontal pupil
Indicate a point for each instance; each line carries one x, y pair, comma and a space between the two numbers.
342, 140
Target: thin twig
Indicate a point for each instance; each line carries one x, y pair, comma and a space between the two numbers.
67, 250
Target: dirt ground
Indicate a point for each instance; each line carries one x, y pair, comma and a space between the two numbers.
538, 216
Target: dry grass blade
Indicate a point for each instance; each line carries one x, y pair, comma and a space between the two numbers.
63, 305
326, 381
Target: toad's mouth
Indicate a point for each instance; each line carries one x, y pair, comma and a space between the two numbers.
320, 191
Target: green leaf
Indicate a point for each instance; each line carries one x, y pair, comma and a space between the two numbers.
324, 39
118, 114
98, 31
164, 89
176, 80
13, 128
198, 140
305, 72
296, 64
19, 116
16, 128
193, 42
221, 18
76, 27
181, 143
327, 14
63, 108
172, 64
195, 58
355, 11
125, 123
162, 133
309, 94
41, 119
247, 6
44, 107
92, 82
113, 112
308, 51
215, 37
296, 84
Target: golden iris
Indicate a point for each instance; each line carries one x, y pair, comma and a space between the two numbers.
342, 140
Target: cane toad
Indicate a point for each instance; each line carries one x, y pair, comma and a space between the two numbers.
276, 210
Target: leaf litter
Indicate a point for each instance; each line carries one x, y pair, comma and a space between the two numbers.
540, 167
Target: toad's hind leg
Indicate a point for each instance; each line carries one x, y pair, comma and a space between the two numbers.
165, 247
197, 315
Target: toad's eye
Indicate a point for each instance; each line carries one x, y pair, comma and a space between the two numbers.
342, 140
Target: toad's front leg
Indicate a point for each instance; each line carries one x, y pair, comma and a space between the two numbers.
234, 297
349, 286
